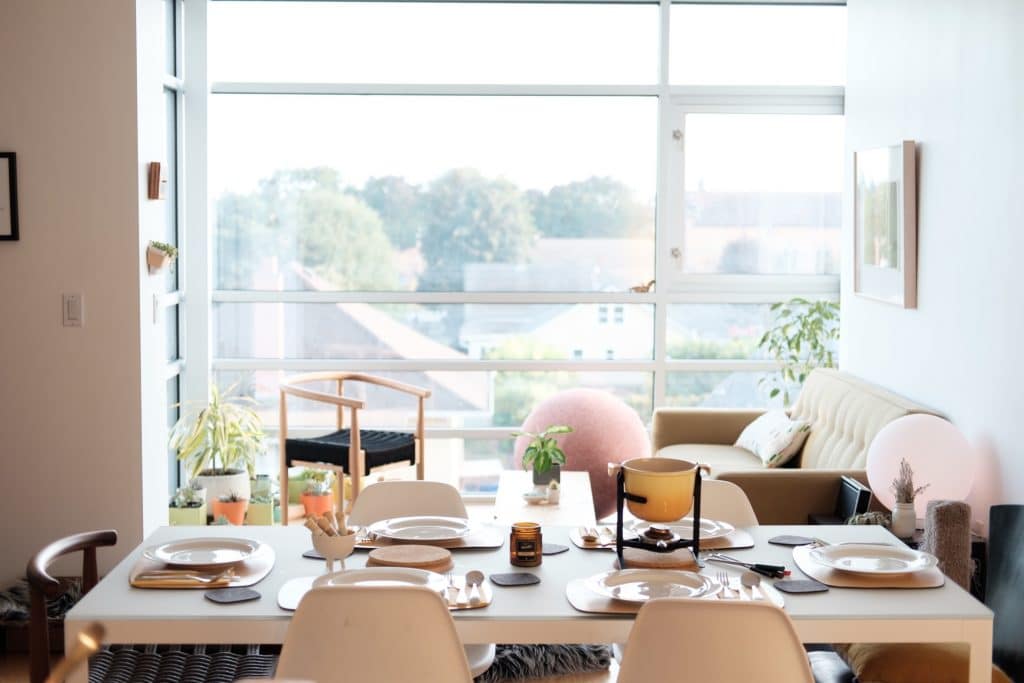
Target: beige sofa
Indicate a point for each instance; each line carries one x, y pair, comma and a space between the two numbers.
844, 412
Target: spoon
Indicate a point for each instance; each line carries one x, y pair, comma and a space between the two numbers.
473, 581
752, 580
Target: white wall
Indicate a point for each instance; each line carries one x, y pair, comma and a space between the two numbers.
950, 75
71, 401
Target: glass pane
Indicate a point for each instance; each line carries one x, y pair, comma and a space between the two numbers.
434, 331
171, 201
746, 45
433, 193
719, 390
378, 42
458, 399
173, 411
170, 36
716, 331
171, 349
763, 193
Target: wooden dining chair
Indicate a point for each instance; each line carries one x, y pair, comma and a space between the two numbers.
348, 450
685, 640
373, 633
389, 499
724, 501
43, 587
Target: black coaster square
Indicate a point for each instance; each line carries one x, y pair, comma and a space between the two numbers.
554, 548
228, 595
800, 586
791, 540
313, 555
515, 579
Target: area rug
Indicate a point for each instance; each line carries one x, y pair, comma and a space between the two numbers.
188, 664
522, 662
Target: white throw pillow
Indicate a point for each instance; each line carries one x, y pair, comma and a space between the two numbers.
774, 437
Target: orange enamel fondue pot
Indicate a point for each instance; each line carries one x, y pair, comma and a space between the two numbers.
666, 483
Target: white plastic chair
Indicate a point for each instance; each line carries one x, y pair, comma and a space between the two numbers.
388, 499
713, 640
724, 501
342, 634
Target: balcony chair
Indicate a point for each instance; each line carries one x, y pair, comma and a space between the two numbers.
352, 450
43, 587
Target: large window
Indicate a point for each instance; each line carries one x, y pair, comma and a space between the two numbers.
477, 198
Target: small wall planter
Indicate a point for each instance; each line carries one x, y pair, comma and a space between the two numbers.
159, 256
195, 516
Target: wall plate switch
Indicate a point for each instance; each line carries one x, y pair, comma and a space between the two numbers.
74, 310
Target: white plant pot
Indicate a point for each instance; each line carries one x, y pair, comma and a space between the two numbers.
218, 485
904, 520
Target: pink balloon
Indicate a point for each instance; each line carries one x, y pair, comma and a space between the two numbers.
937, 452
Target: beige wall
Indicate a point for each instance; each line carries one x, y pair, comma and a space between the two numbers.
950, 75
70, 411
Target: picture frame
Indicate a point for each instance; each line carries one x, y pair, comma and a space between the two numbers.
885, 224
8, 196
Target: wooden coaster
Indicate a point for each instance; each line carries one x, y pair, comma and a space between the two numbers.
427, 557
645, 559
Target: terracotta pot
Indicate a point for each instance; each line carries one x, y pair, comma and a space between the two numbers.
666, 483
317, 505
235, 512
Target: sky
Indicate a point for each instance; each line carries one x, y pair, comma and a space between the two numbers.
536, 142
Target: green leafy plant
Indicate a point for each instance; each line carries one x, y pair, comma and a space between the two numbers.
802, 337
231, 498
187, 497
903, 485
219, 437
318, 488
543, 450
168, 249
261, 500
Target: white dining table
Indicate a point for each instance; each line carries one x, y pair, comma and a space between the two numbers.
539, 613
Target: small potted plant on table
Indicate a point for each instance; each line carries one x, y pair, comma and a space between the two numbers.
904, 518
544, 454
188, 507
232, 507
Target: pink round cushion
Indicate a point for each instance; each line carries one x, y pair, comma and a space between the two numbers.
605, 430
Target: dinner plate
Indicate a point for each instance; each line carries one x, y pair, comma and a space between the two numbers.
873, 559
421, 528
641, 585
383, 576
203, 552
709, 528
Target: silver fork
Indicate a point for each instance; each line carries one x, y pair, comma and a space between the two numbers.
723, 578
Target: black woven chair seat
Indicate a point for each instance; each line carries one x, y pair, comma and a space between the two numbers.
381, 448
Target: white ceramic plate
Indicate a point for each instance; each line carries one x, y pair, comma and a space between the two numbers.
383, 576
641, 585
709, 528
421, 528
204, 552
873, 559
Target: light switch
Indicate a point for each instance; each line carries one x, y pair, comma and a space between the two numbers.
74, 310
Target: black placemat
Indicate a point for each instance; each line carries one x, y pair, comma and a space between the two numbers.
791, 540
227, 596
515, 579
800, 586
554, 548
313, 555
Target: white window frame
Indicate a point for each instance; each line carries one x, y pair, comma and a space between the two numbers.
672, 286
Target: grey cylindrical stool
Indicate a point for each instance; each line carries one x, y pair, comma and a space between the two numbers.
947, 535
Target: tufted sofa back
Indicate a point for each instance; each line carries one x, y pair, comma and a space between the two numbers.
845, 413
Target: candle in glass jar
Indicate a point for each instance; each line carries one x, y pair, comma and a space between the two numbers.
525, 544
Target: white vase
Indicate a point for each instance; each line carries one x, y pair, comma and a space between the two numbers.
904, 520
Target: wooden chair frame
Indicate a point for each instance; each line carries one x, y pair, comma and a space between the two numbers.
43, 586
356, 456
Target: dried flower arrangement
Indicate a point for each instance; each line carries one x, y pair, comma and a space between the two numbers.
903, 484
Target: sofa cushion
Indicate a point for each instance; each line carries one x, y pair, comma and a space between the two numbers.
845, 414
774, 438
718, 458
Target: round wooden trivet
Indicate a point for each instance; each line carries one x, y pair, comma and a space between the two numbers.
645, 559
427, 557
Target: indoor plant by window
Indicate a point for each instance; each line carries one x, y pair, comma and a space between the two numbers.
317, 498
232, 507
261, 510
904, 518
544, 454
159, 255
802, 337
219, 442
188, 507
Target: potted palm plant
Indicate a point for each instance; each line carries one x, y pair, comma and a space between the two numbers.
544, 454
218, 442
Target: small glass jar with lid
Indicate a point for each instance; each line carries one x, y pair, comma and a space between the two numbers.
526, 544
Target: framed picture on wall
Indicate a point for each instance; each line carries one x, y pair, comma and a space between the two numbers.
885, 224
8, 196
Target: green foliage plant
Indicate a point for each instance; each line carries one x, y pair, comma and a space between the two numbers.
220, 436
168, 249
801, 338
186, 497
231, 498
543, 451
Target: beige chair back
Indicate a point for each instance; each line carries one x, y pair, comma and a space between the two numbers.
685, 640
724, 501
368, 633
845, 414
387, 499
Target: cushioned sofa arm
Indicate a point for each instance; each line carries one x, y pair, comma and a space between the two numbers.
785, 496
699, 425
